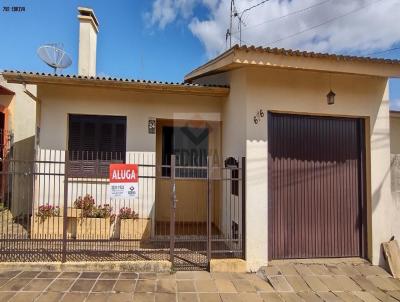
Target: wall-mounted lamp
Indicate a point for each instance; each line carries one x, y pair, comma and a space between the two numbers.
330, 97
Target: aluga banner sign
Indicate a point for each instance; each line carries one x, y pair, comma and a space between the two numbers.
124, 181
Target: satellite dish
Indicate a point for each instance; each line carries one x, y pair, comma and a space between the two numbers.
55, 56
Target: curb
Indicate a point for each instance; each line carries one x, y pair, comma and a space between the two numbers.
121, 266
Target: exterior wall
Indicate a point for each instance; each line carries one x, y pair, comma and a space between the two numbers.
56, 102
233, 138
305, 92
395, 163
20, 112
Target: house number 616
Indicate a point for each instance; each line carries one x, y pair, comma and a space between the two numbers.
259, 115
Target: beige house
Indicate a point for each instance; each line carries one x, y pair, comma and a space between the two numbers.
284, 81
317, 173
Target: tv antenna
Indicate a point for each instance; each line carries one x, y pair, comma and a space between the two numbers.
55, 56
229, 30
236, 14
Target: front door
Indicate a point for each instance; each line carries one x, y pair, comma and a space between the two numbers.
191, 143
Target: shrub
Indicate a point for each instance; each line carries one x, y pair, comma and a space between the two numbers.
104, 211
127, 213
86, 203
98, 211
46, 211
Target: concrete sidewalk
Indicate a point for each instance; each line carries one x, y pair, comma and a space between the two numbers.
284, 282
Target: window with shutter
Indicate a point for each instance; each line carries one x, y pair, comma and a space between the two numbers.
94, 142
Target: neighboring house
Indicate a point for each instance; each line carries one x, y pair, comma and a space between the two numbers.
17, 140
6, 96
17, 116
317, 176
395, 158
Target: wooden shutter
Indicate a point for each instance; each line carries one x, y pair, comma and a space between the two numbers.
119, 142
94, 142
89, 141
106, 138
74, 143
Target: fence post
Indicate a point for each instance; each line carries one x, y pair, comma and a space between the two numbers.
244, 208
173, 208
209, 208
31, 206
65, 213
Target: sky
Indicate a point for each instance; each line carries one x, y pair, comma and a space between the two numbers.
165, 39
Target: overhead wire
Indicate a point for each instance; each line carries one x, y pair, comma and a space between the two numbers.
323, 23
296, 12
383, 51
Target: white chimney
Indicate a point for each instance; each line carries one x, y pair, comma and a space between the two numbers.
88, 29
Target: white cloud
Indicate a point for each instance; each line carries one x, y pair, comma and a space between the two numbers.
370, 25
166, 11
213, 43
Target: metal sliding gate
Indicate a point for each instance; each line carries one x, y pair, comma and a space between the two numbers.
57, 208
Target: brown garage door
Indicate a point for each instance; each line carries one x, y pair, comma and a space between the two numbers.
316, 186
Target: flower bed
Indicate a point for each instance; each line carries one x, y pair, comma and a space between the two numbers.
94, 221
5, 214
74, 213
131, 226
51, 228
83, 204
135, 229
93, 228
47, 223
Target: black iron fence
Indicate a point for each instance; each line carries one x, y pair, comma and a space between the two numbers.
59, 208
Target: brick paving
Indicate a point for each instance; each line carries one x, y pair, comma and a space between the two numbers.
286, 282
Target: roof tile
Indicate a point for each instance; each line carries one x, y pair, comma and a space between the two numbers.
74, 76
299, 53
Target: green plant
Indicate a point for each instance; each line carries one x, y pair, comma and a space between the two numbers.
127, 213
98, 211
46, 211
2, 207
85, 203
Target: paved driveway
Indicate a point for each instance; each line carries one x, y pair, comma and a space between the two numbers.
331, 282
286, 282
